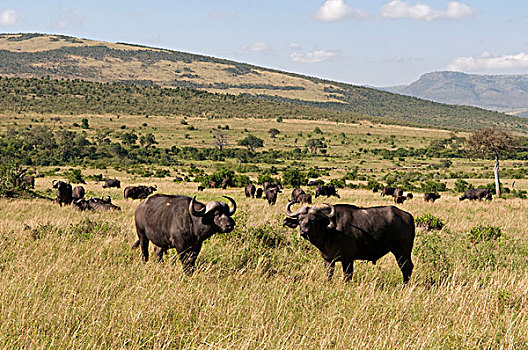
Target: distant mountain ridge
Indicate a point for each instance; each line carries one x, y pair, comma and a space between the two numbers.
506, 93
35, 55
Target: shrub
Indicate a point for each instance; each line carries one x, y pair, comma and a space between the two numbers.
432, 251
433, 186
294, 177
429, 222
482, 233
75, 176
462, 185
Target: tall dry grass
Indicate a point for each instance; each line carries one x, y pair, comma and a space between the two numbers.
70, 280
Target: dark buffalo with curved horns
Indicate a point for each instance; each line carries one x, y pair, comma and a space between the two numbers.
250, 190
112, 183
327, 190
138, 192
296, 193
345, 233
474, 194
78, 192
180, 222
64, 192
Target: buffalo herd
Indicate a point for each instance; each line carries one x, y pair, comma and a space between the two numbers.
341, 232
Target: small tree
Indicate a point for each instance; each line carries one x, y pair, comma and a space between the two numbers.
84, 124
491, 143
294, 177
129, 138
221, 140
148, 140
251, 142
314, 144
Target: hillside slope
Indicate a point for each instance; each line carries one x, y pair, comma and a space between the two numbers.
62, 57
507, 93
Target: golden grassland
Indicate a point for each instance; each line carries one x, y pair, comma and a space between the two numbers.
70, 280
164, 72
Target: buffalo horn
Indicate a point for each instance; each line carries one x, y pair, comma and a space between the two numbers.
332, 210
233, 210
210, 206
289, 212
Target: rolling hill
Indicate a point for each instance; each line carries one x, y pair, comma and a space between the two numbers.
506, 93
62, 57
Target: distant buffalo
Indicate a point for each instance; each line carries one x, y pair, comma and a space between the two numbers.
431, 197
477, 194
295, 194
180, 222
30, 181
375, 189
388, 191
327, 190
398, 192
212, 184
112, 183
64, 192
304, 198
96, 204
201, 188
258, 194
410, 196
399, 199
249, 191
78, 192
271, 194
138, 192
227, 182
345, 233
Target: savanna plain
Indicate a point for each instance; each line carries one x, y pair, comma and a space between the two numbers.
70, 279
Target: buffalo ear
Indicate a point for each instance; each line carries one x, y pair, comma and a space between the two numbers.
331, 224
290, 222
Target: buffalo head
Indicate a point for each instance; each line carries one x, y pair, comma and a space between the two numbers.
216, 213
310, 219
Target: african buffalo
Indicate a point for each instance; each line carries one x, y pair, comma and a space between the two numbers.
477, 193
399, 199
410, 196
345, 233
201, 188
375, 189
258, 194
78, 192
138, 192
398, 192
30, 181
296, 193
304, 198
180, 222
112, 183
212, 184
387, 191
250, 191
227, 182
327, 190
431, 197
94, 204
64, 192
271, 194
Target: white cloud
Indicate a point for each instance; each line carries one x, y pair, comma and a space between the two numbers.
489, 63
256, 47
8, 17
419, 11
312, 56
294, 46
335, 10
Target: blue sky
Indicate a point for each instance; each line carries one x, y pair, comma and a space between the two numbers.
377, 42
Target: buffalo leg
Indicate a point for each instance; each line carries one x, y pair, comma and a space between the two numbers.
159, 252
143, 243
405, 264
188, 260
329, 267
348, 270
